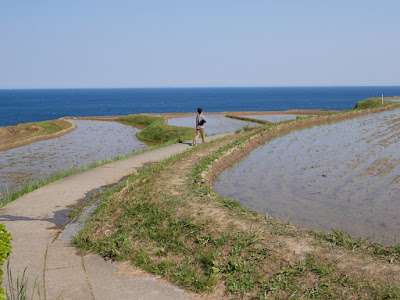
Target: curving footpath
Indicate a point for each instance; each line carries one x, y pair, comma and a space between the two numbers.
36, 221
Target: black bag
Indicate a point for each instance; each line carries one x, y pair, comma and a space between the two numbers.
201, 122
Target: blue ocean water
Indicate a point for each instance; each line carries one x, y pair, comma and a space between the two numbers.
21, 106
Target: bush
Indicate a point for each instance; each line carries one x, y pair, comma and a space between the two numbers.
5, 250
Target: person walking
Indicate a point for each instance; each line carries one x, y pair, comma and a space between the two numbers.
200, 121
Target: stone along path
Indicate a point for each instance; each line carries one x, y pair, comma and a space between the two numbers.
36, 220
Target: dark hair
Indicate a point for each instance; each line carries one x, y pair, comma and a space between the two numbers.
199, 110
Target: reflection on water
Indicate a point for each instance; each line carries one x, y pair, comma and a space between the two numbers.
92, 141
215, 123
340, 176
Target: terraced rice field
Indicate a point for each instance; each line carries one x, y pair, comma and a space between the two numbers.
343, 175
92, 141
215, 123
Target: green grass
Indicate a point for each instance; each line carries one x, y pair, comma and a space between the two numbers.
161, 133
53, 126
5, 251
151, 234
155, 130
372, 103
140, 121
18, 288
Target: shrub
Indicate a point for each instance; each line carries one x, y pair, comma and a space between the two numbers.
5, 250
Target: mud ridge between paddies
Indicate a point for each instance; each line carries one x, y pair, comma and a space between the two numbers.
169, 221
27, 133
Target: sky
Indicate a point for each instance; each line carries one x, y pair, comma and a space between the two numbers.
187, 43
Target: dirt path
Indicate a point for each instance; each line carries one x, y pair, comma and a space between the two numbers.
35, 221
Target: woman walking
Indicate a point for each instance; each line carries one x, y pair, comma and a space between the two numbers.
200, 120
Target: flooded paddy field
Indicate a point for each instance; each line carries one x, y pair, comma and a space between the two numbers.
343, 175
92, 141
215, 123
275, 118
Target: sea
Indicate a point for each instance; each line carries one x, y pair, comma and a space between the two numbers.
33, 105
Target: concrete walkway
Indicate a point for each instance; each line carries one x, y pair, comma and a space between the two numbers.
36, 219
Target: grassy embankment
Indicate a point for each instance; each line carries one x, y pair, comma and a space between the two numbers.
154, 129
168, 221
15, 136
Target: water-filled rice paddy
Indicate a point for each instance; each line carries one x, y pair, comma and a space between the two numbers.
215, 123
343, 175
92, 141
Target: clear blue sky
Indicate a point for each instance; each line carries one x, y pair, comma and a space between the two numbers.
66, 44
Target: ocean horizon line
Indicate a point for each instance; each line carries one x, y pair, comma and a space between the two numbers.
199, 87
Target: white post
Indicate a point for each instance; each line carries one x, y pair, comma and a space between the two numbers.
382, 99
